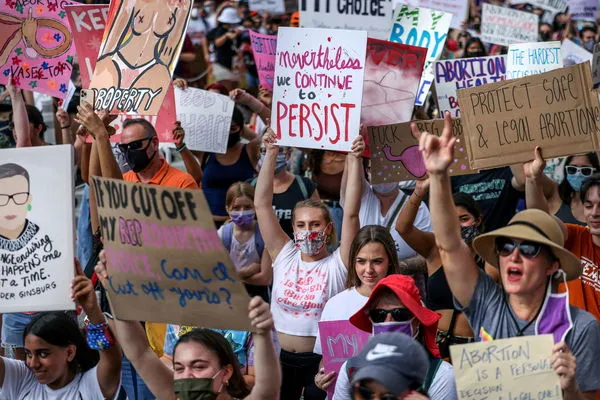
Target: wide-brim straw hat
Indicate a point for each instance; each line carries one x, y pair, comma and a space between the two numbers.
534, 226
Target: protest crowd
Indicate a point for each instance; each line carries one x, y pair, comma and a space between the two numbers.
300, 200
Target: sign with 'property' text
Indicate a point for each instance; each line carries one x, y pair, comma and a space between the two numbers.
555, 110
165, 261
318, 88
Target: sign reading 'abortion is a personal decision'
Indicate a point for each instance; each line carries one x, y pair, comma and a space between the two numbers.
318, 88
164, 258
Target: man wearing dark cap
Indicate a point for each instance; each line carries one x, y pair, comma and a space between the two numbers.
390, 366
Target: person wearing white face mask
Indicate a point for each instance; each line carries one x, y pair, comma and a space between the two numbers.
395, 305
305, 274
381, 204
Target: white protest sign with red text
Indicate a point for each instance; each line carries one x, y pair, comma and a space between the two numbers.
317, 95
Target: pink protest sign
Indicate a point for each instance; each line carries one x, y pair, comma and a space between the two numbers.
264, 48
36, 46
88, 23
340, 340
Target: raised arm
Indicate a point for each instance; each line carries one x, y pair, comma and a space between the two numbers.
534, 178
460, 267
189, 160
241, 97
351, 223
132, 338
422, 242
20, 119
267, 372
363, 181
274, 236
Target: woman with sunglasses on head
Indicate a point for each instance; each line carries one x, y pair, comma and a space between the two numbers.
530, 254
373, 254
305, 273
395, 305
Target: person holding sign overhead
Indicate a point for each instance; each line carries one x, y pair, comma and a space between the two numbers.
305, 274
530, 254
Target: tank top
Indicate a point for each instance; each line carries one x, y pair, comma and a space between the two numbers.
217, 178
565, 214
439, 296
329, 186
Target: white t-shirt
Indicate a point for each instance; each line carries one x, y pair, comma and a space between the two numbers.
340, 307
443, 386
301, 289
21, 384
241, 254
370, 214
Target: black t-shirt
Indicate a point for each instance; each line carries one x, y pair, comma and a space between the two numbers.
225, 53
284, 203
493, 190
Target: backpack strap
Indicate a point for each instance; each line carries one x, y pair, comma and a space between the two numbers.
226, 236
258, 241
397, 210
253, 182
434, 365
302, 187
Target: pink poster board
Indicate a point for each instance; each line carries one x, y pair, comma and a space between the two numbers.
264, 48
36, 46
340, 340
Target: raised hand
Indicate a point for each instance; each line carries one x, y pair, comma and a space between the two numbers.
100, 269
239, 96
90, 120
438, 152
270, 140
82, 290
535, 168
62, 117
178, 134
259, 313
180, 83
358, 147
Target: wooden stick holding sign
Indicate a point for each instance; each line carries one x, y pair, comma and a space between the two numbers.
395, 154
165, 260
505, 121
516, 368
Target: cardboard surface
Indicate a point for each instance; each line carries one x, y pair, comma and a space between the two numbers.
165, 261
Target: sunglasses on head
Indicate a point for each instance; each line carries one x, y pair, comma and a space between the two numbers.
364, 393
135, 145
585, 171
399, 314
505, 247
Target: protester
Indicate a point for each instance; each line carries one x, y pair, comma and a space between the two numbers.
307, 263
224, 40
528, 276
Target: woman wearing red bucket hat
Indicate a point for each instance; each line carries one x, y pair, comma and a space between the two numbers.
395, 305
530, 255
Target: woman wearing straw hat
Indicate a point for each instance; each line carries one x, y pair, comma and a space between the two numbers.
531, 258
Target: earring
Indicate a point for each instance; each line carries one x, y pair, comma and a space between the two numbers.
29, 207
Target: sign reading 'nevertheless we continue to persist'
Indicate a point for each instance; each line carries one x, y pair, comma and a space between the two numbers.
555, 110
165, 260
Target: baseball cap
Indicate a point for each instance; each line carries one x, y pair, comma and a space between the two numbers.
394, 360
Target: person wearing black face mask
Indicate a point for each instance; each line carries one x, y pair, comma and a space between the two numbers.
474, 48
220, 171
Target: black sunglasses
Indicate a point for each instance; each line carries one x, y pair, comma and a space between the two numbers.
505, 247
379, 315
585, 171
135, 145
364, 393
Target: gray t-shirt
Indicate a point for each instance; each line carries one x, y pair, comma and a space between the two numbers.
489, 311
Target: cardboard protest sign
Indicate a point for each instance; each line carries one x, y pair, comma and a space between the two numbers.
165, 261
458, 8
270, 6
524, 59
554, 6
583, 10
516, 368
421, 27
87, 23
504, 26
596, 67
451, 75
340, 340
36, 46
206, 118
373, 16
573, 54
264, 48
138, 54
36, 229
317, 95
395, 154
555, 110
392, 75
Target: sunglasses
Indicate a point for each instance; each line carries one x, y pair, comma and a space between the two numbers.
364, 393
18, 198
135, 145
505, 247
378, 315
585, 171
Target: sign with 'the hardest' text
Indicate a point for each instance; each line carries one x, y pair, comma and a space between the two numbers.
164, 258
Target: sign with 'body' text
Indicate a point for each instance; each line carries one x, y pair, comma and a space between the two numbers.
504, 26
165, 261
423, 28
458, 8
264, 48
451, 75
505, 121
516, 368
524, 59
318, 88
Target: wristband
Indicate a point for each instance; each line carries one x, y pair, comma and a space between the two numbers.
99, 337
181, 148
